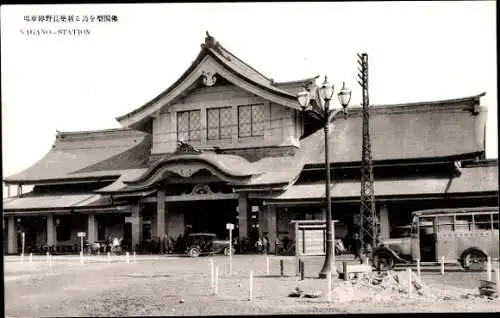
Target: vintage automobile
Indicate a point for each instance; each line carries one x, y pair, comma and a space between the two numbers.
206, 244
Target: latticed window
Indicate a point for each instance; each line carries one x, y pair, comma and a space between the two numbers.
189, 125
219, 122
251, 120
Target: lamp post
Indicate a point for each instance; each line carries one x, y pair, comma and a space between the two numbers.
317, 102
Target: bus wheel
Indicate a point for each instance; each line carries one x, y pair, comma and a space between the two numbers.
474, 260
383, 261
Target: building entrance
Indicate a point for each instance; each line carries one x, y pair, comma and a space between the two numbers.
211, 217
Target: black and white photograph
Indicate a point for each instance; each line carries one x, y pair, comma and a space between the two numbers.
249, 158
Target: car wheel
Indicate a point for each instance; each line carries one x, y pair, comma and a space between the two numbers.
474, 260
194, 252
226, 251
383, 261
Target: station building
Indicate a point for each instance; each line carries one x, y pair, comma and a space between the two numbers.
226, 144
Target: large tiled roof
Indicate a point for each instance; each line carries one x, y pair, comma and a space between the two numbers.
88, 154
476, 179
407, 131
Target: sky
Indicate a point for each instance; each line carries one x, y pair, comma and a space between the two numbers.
418, 51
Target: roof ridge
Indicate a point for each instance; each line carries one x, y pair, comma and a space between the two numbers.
81, 133
298, 81
474, 98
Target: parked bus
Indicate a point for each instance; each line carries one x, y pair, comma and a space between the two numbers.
467, 235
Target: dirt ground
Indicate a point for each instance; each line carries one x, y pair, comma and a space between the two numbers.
182, 286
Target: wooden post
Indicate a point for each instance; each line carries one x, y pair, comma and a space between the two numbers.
109, 258
282, 269
251, 286
267, 264
211, 273
329, 282
22, 246
230, 250
442, 265
302, 269
344, 269
31, 258
409, 283
497, 279
488, 268
216, 287
127, 257
418, 268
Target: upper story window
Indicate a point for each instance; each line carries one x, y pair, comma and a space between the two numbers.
189, 125
251, 120
219, 122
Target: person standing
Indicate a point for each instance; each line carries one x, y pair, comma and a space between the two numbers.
357, 245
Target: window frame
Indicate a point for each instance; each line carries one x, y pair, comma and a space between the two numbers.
251, 120
219, 127
189, 112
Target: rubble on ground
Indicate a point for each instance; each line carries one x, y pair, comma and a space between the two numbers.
388, 286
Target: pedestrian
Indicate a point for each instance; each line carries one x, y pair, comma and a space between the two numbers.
357, 245
258, 245
277, 246
266, 244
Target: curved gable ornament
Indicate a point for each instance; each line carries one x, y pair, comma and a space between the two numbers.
185, 172
209, 78
202, 189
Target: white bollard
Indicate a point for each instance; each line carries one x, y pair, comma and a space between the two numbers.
135, 258
410, 289
50, 260
442, 265
488, 268
250, 291
22, 258
211, 273
109, 258
267, 264
127, 257
329, 290
31, 258
418, 268
216, 285
47, 257
81, 258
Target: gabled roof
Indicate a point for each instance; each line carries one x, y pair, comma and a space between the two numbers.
436, 129
89, 154
214, 59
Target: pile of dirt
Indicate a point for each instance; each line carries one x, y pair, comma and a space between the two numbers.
387, 286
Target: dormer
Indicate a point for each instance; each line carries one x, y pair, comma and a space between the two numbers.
220, 102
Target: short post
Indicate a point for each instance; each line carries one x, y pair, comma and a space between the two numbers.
230, 227
418, 268
302, 270
31, 258
47, 257
344, 269
81, 257
282, 268
216, 286
50, 260
267, 264
329, 282
109, 258
442, 265
409, 283
135, 257
127, 257
251, 286
497, 278
22, 246
488, 268
211, 273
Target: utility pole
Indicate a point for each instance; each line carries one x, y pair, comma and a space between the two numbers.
368, 231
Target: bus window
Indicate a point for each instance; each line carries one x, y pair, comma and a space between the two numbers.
426, 226
463, 223
445, 224
482, 222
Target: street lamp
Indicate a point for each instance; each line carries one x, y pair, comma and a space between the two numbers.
326, 115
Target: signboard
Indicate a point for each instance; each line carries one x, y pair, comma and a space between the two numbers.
229, 226
81, 234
